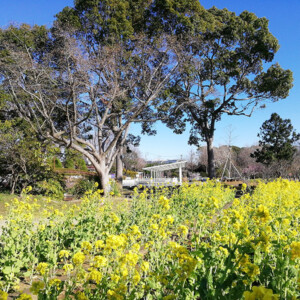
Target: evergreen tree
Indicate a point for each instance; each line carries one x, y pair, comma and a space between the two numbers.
276, 141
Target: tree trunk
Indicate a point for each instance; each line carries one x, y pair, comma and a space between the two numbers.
14, 182
119, 169
104, 182
210, 158
103, 173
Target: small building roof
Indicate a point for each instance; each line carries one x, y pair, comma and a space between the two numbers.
166, 167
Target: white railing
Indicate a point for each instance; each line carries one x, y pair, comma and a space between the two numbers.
150, 182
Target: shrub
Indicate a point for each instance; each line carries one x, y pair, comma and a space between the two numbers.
51, 187
83, 186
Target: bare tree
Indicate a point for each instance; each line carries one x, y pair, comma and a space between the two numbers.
295, 167
133, 159
247, 164
73, 93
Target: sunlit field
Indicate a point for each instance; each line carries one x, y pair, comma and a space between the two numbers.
157, 245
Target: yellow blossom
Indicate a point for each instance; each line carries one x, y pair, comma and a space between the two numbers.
183, 230
78, 258
115, 278
164, 202
64, 254
3, 295
86, 247
24, 297
99, 244
260, 292
99, 261
251, 270
81, 296
145, 266
113, 295
263, 213
95, 276
68, 268
295, 250
136, 278
42, 268
56, 283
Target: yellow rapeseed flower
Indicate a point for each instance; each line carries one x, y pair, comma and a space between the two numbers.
113, 295
136, 277
263, 214
99, 244
64, 254
78, 258
95, 276
42, 268
3, 295
183, 230
145, 266
55, 282
164, 202
251, 270
81, 296
295, 250
86, 247
24, 297
99, 261
115, 278
260, 293
68, 268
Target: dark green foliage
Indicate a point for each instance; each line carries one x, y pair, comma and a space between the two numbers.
110, 21
103, 21
34, 38
24, 159
223, 73
177, 17
276, 141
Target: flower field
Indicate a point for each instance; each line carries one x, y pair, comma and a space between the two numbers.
158, 245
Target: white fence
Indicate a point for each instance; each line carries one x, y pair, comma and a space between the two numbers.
150, 182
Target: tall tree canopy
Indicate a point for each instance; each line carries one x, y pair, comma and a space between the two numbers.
224, 73
277, 137
111, 20
70, 91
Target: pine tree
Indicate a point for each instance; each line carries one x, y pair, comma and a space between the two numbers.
277, 137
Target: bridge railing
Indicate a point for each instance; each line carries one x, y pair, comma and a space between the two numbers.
74, 172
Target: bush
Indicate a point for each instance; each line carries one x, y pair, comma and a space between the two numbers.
58, 163
69, 164
51, 187
81, 165
82, 186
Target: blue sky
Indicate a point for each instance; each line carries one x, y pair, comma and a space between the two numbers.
283, 19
